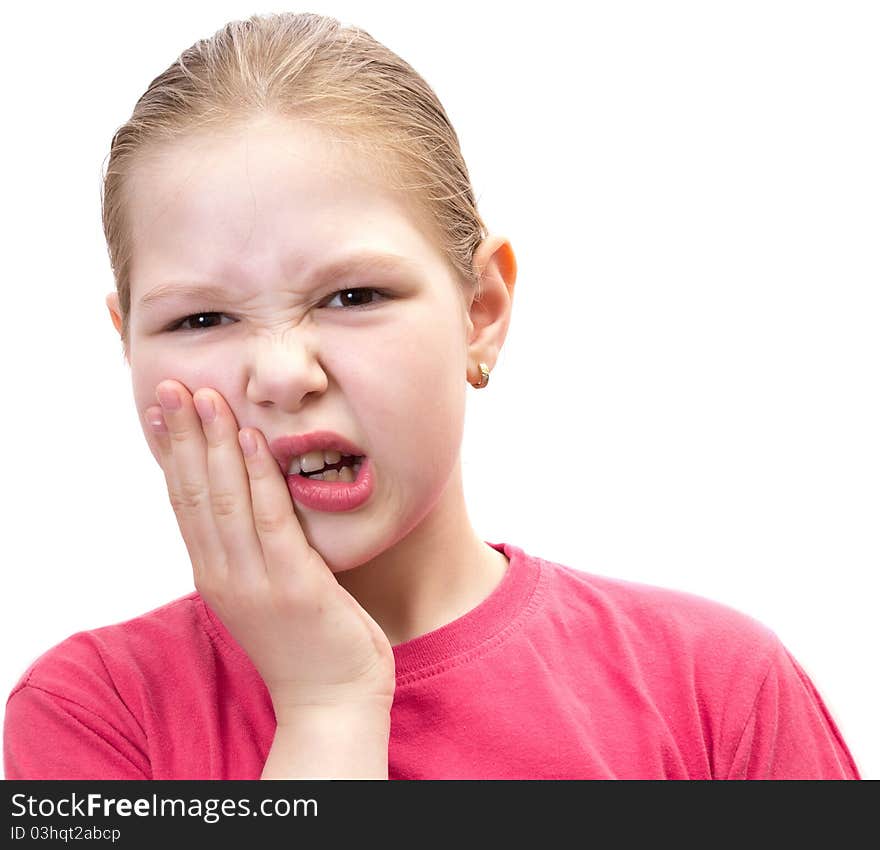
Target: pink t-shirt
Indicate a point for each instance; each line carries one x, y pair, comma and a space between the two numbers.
558, 674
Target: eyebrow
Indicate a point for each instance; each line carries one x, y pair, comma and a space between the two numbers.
355, 264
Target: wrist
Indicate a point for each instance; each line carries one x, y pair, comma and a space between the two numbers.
298, 708
293, 701
345, 741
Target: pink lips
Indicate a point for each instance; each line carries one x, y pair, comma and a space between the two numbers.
285, 449
331, 496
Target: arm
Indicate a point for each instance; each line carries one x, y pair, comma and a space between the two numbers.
46, 736
790, 733
326, 663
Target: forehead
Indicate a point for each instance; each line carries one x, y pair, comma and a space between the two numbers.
260, 164
242, 195
279, 137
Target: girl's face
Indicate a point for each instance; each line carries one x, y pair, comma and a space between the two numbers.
231, 288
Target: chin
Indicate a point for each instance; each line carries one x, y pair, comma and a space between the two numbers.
337, 569
342, 563
338, 556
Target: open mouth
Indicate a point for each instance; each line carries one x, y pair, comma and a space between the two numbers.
345, 469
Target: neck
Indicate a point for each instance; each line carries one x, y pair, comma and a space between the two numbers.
435, 574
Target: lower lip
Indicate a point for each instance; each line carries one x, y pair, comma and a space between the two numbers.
333, 496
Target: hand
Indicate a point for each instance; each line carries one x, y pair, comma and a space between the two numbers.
310, 640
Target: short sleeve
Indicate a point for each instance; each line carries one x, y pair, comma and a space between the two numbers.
789, 733
46, 736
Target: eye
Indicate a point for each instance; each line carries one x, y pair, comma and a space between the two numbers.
201, 321
361, 297
357, 298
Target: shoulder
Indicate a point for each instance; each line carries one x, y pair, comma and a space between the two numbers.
713, 673
683, 647
91, 705
662, 616
105, 658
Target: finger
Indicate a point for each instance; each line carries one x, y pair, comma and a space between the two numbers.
286, 551
160, 439
158, 433
188, 488
230, 491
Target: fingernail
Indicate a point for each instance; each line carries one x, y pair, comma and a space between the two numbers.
205, 407
155, 420
247, 442
168, 398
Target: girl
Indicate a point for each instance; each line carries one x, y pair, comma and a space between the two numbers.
304, 288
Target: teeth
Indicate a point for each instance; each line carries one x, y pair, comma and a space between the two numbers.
313, 461
344, 474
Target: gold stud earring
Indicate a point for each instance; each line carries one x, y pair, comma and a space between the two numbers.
484, 379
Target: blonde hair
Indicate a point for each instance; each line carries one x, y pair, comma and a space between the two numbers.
308, 67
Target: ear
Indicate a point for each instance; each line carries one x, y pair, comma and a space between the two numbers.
489, 314
112, 302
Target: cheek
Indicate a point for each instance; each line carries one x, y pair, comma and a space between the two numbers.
191, 371
410, 398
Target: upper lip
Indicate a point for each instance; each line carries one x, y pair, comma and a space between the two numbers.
284, 449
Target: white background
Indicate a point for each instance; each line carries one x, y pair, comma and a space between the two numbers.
689, 391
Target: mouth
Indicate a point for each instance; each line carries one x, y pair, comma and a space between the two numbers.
332, 487
318, 455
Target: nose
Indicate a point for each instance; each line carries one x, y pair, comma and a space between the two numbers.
284, 371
